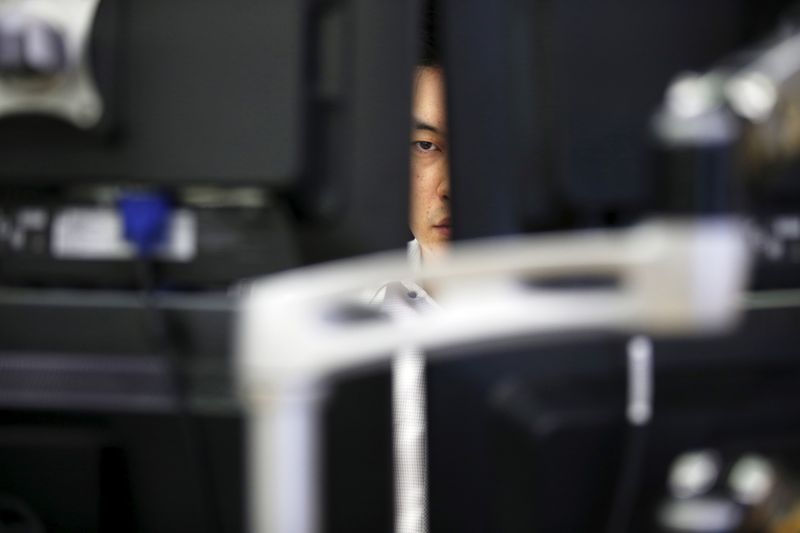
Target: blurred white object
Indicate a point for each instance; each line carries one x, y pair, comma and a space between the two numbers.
755, 91
63, 87
300, 327
399, 300
752, 97
752, 479
694, 473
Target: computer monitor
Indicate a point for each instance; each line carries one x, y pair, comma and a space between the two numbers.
538, 439
551, 103
276, 132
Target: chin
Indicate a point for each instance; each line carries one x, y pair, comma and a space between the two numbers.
434, 248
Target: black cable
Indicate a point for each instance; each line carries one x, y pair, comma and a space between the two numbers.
177, 370
627, 488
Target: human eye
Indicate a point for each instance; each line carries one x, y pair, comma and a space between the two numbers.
425, 147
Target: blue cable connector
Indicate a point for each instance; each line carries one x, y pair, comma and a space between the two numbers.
145, 218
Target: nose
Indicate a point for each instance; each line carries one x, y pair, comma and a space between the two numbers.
443, 188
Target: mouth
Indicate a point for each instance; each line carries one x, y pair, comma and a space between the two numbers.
443, 227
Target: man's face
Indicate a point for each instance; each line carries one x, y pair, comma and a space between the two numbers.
430, 173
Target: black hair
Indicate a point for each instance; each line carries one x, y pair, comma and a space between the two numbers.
429, 41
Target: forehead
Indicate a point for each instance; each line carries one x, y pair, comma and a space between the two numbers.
429, 104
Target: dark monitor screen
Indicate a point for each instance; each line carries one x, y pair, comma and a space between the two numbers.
551, 102
537, 438
187, 92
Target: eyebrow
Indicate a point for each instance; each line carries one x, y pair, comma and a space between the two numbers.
419, 125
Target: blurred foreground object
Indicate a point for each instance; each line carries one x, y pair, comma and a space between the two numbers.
44, 60
729, 141
745, 112
745, 494
301, 328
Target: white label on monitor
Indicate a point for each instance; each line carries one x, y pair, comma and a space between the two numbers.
92, 233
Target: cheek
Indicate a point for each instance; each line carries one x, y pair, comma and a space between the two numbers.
421, 183
417, 187
420, 204
415, 197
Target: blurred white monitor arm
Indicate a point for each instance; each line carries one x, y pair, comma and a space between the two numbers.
299, 328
